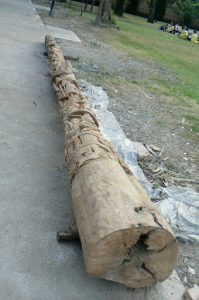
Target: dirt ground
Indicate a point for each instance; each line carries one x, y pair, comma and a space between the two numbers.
144, 117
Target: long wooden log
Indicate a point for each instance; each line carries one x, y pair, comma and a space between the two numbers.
124, 238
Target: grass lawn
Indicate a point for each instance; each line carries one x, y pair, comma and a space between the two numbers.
143, 41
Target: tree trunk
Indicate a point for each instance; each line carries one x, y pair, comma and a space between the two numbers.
86, 4
69, 4
119, 8
81, 12
124, 238
92, 5
160, 9
104, 12
132, 6
152, 7
51, 7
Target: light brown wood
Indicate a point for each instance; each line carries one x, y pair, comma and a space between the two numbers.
123, 236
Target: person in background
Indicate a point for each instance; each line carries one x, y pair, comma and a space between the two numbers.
171, 28
178, 29
162, 28
184, 34
194, 37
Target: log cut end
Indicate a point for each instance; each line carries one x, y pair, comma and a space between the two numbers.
134, 257
129, 242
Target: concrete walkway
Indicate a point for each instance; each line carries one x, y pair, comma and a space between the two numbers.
34, 191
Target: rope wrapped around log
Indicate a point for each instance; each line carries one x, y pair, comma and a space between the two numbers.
124, 238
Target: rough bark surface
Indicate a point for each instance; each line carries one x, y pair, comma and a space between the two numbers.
123, 236
104, 12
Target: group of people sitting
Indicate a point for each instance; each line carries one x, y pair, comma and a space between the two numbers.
182, 32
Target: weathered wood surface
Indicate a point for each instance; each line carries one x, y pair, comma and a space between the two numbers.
124, 238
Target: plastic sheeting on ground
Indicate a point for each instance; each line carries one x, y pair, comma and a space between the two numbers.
181, 207
181, 210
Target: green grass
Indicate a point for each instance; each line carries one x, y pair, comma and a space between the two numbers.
193, 123
143, 41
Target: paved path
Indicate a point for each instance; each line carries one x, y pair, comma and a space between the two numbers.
34, 193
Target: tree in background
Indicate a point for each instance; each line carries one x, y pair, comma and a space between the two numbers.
152, 5
132, 6
186, 10
51, 8
119, 7
104, 15
160, 9
160, 6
